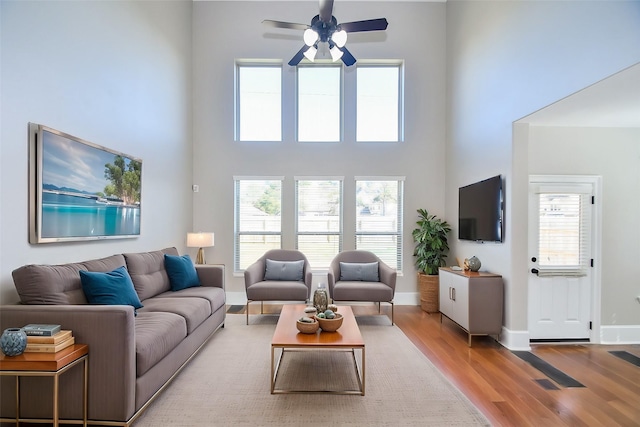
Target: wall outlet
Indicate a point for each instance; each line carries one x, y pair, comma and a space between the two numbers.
195, 188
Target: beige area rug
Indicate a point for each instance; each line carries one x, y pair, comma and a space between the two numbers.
228, 384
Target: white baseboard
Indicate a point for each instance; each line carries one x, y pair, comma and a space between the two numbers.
620, 334
401, 298
515, 340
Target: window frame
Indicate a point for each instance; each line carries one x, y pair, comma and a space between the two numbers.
398, 233
400, 118
236, 217
339, 233
320, 64
256, 63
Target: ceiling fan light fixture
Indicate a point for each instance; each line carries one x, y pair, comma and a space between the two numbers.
339, 38
336, 53
310, 37
310, 53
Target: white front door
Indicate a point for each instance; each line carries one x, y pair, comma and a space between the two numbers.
561, 221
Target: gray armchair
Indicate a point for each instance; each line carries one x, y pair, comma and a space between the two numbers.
278, 275
361, 276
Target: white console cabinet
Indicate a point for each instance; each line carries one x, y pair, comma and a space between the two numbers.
473, 300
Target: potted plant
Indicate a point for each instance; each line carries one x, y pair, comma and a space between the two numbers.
430, 238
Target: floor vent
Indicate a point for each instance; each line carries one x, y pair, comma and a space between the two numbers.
625, 355
555, 374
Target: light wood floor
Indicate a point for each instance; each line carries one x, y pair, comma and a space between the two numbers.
504, 387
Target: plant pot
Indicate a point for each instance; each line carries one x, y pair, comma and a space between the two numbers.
429, 286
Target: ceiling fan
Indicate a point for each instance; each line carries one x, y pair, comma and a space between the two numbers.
324, 28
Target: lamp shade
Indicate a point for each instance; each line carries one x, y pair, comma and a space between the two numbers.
340, 38
200, 240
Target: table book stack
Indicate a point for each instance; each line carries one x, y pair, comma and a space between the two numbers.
47, 338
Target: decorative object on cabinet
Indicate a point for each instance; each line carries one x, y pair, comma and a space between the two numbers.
473, 300
472, 264
430, 238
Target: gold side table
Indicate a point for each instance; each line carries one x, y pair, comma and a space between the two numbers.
47, 365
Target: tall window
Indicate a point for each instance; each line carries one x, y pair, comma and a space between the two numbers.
319, 103
258, 102
319, 219
379, 206
257, 217
379, 103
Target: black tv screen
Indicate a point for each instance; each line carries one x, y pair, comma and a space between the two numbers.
480, 211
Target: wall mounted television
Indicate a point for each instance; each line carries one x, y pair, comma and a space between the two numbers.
481, 211
79, 190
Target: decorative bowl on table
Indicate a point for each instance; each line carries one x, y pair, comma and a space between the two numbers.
330, 325
307, 327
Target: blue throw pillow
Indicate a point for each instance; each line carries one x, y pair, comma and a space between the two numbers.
182, 273
365, 272
111, 288
284, 270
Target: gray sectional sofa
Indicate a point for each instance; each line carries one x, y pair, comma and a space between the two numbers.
133, 354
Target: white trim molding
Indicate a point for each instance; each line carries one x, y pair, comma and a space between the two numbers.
515, 340
620, 334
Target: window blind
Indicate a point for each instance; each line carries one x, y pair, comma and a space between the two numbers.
564, 219
257, 219
379, 213
319, 219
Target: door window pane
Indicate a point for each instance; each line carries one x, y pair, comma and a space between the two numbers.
563, 233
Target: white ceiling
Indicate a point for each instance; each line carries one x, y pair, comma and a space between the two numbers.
612, 102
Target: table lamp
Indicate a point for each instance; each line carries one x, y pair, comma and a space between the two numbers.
200, 240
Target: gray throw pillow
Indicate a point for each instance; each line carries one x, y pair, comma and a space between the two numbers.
284, 270
354, 271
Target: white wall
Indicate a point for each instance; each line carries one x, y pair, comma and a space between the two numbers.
580, 151
224, 31
507, 60
113, 73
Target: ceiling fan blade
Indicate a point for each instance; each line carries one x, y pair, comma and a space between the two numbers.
326, 10
287, 25
298, 56
368, 25
347, 57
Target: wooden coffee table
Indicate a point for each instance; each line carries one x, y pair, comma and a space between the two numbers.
288, 338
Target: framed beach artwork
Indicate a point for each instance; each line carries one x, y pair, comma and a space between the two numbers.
80, 190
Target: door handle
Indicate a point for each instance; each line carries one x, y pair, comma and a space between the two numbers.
535, 271
453, 292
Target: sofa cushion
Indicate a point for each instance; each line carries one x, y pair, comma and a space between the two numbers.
58, 284
194, 310
157, 334
362, 271
182, 273
214, 295
109, 288
148, 273
283, 270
